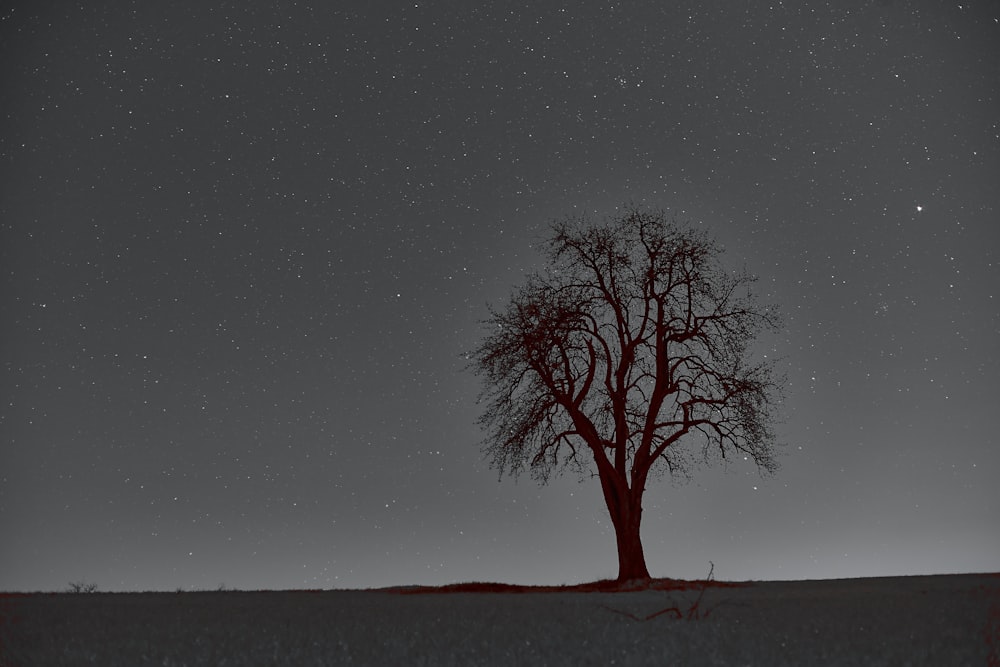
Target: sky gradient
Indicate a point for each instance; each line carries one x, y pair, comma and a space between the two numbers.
244, 246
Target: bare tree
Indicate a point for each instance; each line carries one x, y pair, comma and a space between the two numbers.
629, 353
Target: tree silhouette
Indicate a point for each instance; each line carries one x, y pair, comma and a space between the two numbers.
630, 354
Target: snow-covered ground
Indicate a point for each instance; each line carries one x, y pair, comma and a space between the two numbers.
924, 620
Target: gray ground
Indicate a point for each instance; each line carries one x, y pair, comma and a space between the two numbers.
935, 620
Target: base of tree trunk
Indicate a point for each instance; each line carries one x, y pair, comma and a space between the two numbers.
634, 584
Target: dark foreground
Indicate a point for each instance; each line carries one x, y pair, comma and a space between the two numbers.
926, 620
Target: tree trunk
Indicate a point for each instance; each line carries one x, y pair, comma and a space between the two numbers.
631, 559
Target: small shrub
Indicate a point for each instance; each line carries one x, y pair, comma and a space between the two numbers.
81, 587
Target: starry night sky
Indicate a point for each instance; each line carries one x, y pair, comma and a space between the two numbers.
244, 246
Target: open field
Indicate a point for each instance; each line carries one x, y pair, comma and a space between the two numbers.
920, 620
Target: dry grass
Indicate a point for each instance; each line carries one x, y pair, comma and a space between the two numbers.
602, 586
